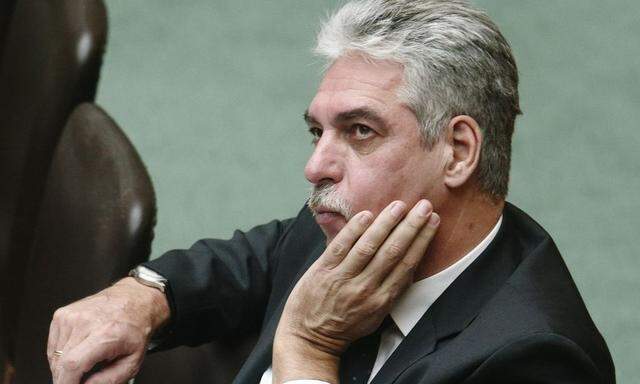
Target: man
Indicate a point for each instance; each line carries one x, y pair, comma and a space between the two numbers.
415, 114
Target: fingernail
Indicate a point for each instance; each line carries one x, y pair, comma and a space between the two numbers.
397, 208
434, 220
424, 208
365, 217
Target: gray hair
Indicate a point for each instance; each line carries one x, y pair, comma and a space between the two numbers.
456, 62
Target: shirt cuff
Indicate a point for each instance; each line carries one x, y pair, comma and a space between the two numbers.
306, 382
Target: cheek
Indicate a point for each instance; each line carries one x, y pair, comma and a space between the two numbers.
388, 178
378, 184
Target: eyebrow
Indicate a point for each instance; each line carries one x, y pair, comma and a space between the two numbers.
310, 120
356, 113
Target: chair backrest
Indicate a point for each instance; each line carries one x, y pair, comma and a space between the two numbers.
6, 9
51, 56
95, 223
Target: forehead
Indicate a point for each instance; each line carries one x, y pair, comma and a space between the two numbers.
354, 71
353, 82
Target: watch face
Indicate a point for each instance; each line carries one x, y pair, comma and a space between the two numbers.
149, 274
149, 278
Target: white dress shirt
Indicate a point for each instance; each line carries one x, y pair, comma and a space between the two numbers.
411, 306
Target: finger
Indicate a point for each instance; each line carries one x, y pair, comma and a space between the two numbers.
402, 274
78, 360
344, 240
77, 336
64, 331
68, 339
51, 341
395, 247
118, 371
367, 245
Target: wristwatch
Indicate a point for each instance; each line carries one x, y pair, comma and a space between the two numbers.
148, 277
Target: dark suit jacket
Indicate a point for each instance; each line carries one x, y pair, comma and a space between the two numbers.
513, 316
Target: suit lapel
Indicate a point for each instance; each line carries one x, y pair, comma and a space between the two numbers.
420, 342
458, 306
260, 358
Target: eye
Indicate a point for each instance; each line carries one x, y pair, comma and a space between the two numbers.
316, 133
362, 132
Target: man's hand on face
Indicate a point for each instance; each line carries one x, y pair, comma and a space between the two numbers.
350, 289
112, 327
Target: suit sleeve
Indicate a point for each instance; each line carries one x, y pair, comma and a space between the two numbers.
539, 359
219, 288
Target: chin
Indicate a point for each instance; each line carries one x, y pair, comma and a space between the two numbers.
332, 227
329, 234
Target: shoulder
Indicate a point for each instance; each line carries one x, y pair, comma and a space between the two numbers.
544, 357
539, 312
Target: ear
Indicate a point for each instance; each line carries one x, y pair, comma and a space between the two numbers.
464, 140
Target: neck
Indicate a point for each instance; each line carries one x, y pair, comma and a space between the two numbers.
466, 220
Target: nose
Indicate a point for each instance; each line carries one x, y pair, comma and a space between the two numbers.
325, 163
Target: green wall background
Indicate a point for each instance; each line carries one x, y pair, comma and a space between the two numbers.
212, 92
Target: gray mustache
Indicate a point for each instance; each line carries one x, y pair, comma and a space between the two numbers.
326, 195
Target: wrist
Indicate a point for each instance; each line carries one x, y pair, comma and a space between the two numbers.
149, 301
295, 358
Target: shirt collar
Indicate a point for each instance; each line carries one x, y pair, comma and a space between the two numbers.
422, 294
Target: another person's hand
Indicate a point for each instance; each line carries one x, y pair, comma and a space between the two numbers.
112, 327
350, 289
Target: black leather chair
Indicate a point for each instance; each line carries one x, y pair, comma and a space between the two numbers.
95, 223
82, 234
6, 9
51, 56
